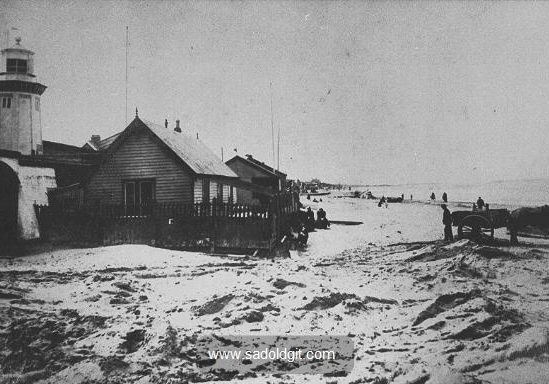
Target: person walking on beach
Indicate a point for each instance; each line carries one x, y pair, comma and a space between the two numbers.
447, 221
445, 197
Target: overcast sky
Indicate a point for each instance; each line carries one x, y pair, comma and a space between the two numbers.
363, 92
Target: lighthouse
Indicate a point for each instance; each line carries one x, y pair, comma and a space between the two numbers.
25, 175
20, 110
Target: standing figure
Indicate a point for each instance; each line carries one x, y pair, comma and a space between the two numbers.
433, 196
445, 197
480, 203
381, 201
447, 221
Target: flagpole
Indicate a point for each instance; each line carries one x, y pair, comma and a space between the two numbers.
127, 44
272, 123
278, 161
278, 150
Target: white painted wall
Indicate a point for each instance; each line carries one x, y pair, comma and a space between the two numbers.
34, 184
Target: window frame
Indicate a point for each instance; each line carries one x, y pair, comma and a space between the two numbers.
138, 209
17, 66
6, 102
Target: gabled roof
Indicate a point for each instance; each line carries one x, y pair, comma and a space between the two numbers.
53, 147
258, 165
103, 144
199, 158
106, 143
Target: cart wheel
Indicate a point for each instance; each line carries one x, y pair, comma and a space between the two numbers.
475, 227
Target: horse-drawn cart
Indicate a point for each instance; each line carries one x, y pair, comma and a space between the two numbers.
473, 224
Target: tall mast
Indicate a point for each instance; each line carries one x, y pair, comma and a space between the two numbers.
272, 123
278, 149
127, 47
278, 161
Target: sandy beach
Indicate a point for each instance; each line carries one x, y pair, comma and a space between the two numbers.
418, 310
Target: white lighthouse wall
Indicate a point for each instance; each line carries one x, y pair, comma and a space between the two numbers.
20, 125
34, 186
25, 123
9, 134
36, 124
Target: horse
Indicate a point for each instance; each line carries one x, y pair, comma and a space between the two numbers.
524, 217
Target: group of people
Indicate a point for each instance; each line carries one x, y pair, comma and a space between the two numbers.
321, 221
304, 222
444, 197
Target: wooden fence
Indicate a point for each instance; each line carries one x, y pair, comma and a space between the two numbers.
204, 226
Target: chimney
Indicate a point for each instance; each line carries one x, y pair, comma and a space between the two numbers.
177, 128
165, 123
95, 139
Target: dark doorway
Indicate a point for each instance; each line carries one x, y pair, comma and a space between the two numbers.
9, 197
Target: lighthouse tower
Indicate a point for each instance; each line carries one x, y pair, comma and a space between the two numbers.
20, 115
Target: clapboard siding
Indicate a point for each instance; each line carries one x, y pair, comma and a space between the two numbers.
141, 157
245, 196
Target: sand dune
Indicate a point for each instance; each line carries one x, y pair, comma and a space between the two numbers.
418, 310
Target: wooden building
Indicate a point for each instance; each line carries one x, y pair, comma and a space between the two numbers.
152, 163
259, 174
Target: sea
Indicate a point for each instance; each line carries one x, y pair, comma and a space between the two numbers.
504, 194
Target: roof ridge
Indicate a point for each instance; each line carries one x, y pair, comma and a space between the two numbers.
193, 152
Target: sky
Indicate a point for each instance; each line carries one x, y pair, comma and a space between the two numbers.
362, 92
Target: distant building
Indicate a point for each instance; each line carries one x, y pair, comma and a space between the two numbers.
257, 173
148, 163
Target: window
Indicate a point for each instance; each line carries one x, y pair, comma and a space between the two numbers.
37, 104
138, 197
16, 66
6, 102
220, 192
231, 195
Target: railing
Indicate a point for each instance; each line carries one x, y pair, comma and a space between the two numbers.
170, 224
167, 209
